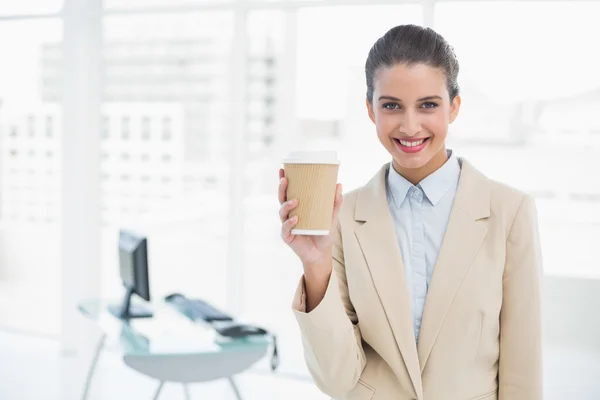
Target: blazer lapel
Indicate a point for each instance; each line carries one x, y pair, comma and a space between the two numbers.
377, 239
466, 230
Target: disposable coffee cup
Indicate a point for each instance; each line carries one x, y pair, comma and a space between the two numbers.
312, 179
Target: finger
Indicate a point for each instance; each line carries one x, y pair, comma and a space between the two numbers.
285, 209
281, 173
282, 190
286, 229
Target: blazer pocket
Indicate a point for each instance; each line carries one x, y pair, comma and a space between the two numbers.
489, 396
361, 391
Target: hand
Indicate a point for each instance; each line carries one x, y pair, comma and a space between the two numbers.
311, 250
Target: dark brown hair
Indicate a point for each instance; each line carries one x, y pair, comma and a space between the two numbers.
410, 45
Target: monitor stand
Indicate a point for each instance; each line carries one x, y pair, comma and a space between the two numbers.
126, 310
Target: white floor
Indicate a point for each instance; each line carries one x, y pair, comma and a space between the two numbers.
32, 369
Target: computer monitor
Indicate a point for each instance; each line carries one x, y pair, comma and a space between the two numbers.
133, 268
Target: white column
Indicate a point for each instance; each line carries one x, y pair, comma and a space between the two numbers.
286, 133
235, 248
428, 13
80, 192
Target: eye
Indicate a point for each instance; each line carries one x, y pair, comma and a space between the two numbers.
429, 104
390, 106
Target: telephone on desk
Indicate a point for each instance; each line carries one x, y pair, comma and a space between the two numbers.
224, 324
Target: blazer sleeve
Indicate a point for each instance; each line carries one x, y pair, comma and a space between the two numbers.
330, 334
520, 368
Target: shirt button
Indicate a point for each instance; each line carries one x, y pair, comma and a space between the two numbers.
416, 194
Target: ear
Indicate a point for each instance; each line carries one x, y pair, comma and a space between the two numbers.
370, 110
454, 108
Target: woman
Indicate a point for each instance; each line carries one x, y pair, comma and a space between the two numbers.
429, 285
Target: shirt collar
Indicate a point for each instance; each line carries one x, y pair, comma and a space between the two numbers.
435, 186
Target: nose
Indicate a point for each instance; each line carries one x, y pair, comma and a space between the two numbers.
409, 124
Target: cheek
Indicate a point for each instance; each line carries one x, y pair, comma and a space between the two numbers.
386, 123
436, 124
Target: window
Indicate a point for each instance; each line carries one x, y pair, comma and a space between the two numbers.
143, 4
153, 63
530, 122
28, 122
49, 127
30, 7
125, 128
146, 128
31, 125
105, 128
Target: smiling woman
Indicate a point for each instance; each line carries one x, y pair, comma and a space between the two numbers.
386, 304
412, 97
411, 112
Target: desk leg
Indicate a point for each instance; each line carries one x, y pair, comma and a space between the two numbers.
186, 391
92, 368
160, 386
235, 388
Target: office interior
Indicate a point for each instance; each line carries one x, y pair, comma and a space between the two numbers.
170, 118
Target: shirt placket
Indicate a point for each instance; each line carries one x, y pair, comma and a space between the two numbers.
419, 269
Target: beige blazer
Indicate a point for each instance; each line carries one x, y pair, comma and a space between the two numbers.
481, 329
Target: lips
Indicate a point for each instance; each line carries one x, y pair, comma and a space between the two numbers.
411, 145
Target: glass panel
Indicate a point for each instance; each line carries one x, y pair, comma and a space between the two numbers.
141, 4
328, 83
264, 285
30, 131
164, 154
529, 115
30, 7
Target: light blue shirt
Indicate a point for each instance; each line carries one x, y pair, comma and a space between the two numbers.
420, 214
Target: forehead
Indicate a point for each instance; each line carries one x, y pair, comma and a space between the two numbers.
407, 82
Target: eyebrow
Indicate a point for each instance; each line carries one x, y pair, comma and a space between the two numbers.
421, 99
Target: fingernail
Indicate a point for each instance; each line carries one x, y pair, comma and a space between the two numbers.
294, 218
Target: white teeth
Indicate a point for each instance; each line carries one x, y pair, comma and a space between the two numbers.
411, 144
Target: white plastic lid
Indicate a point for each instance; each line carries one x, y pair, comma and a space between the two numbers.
312, 157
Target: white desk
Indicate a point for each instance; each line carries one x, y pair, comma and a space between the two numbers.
171, 348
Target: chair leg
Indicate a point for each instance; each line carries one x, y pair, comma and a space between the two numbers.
235, 388
158, 390
186, 391
92, 368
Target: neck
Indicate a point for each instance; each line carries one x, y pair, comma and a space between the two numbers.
416, 175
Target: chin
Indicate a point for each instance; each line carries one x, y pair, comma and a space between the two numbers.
411, 162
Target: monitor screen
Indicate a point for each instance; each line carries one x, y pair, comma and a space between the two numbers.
133, 263
128, 244
133, 268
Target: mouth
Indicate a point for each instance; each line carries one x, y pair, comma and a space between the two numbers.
412, 145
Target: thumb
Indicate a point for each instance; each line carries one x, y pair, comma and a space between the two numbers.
337, 205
